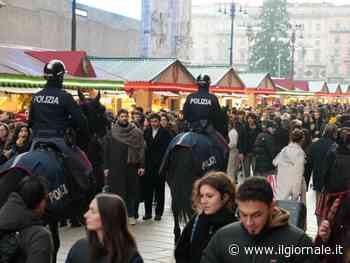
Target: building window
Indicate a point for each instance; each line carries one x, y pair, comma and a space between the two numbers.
317, 56
317, 43
336, 69
81, 12
348, 70
336, 52
337, 25
337, 39
318, 27
242, 53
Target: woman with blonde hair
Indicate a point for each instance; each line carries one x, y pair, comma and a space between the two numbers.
213, 200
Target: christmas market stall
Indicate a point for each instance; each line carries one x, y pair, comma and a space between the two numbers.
152, 83
260, 88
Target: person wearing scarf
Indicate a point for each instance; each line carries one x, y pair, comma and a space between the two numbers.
213, 198
124, 161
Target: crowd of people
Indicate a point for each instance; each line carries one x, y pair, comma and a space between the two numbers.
290, 144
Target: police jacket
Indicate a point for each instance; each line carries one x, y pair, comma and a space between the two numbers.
202, 105
275, 243
55, 109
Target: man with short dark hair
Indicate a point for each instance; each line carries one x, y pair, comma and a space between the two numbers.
124, 161
157, 140
23, 213
263, 233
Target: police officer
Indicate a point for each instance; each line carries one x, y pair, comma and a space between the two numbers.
202, 111
53, 110
202, 108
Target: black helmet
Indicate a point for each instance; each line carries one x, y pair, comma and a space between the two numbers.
203, 81
54, 70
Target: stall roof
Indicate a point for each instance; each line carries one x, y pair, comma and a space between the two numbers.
291, 84
13, 58
137, 69
334, 88
254, 80
76, 62
166, 93
220, 75
344, 88
318, 86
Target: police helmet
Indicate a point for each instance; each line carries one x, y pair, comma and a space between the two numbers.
203, 81
54, 70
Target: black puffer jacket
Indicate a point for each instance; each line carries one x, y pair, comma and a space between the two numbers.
232, 243
35, 240
188, 251
265, 152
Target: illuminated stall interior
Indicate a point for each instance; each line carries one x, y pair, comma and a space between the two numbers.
16, 90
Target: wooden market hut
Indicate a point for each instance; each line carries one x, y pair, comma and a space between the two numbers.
154, 83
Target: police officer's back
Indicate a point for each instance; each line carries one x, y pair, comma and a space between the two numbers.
202, 105
53, 108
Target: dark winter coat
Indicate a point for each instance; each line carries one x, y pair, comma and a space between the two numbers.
156, 148
242, 137
229, 243
281, 136
337, 178
123, 179
317, 163
35, 240
251, 135
265, 152
188, 251
79, 253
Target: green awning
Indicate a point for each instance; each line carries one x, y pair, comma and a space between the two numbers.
22, 81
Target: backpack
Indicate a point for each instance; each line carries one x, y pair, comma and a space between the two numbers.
9, 246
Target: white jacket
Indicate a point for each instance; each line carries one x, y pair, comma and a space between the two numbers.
290, 164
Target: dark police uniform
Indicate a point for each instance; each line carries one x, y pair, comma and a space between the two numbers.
202, 105
53, 110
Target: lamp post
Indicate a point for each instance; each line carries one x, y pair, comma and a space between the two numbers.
74, 26
232, 15
293, 39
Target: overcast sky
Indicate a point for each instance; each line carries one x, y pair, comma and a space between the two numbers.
132, 8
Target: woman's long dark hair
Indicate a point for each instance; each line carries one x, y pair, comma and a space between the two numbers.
118, 242
16, 134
